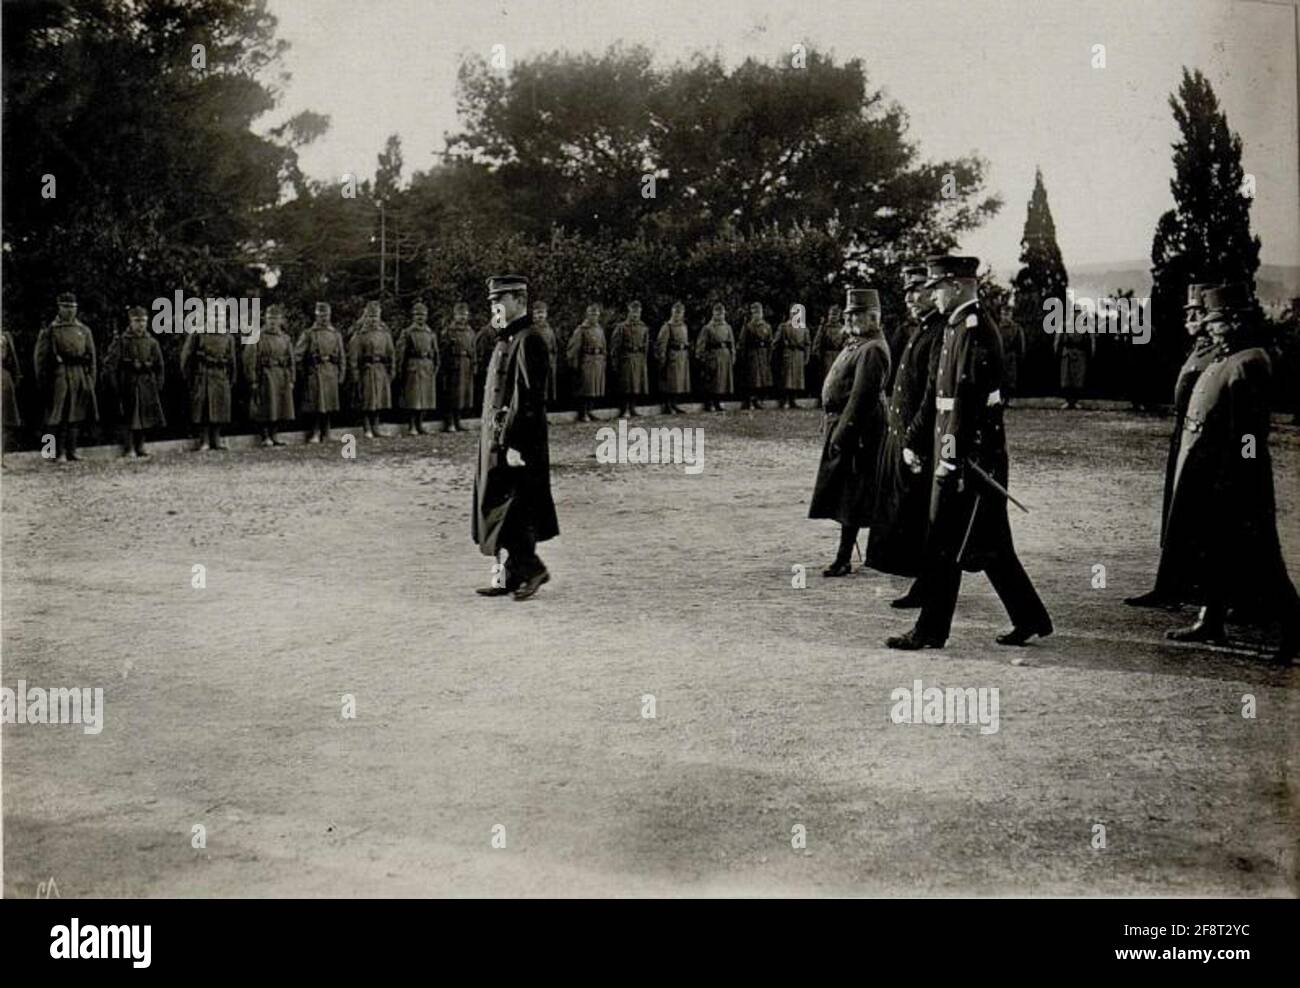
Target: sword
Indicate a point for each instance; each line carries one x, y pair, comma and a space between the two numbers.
970, 527
989, 481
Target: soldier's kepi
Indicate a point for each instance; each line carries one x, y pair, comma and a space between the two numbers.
513, 508
969, 528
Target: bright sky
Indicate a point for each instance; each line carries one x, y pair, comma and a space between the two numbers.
1012, 81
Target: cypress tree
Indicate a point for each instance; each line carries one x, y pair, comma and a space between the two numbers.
1206, 236
1041, 276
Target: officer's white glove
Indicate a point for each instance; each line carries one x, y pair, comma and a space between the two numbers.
912, 460
513, 458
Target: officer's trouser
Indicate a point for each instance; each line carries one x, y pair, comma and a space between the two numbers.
941, 582
522, 561
1010, 582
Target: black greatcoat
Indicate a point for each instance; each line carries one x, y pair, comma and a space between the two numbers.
969, 409
853, 399
1221, 541
902, 511
511, 500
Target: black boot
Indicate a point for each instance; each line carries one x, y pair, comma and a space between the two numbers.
72, 443
1208, 628
1152, 598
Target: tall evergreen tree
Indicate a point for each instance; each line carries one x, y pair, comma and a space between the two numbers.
1042, 276
1206, 236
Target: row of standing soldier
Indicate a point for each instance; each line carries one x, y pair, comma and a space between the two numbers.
419, 372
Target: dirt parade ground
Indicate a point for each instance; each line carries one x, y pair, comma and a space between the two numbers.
336, 713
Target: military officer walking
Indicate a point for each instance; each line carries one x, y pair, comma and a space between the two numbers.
209, 365
791, 351
901, 515
65, 372
754, 349
853, 426
513, 508
587, 361
133, 366
673, 357
416, 367
629, 353
1221, 530
1202, 352
715, 349
269, 370
323, 361
458, 366
969, 528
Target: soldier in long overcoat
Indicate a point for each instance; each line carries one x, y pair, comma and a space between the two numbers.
65, 372
133, 368
269, 369
457, 362
754, 351
11, 377
901, 515
825, 348
587, 355
542, 320
1221, 531
371, 359
969, 528
629, 355
484, 341
209, 365
853, 426
1013, 356
323, 364
791, 351
416, 369
715, 350
673, 358
513, 507
1075, 352
1203, 350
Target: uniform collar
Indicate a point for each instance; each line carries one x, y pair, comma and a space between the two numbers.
514, 326
957, 313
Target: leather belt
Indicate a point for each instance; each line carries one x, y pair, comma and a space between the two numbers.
946, 404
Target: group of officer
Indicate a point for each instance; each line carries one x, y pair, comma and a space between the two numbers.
918, 453
1219, 545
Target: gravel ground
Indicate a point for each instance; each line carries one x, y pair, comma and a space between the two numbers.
476, 717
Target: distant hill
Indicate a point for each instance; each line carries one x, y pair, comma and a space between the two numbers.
1275, 282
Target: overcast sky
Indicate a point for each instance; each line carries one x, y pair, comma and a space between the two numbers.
1012, 81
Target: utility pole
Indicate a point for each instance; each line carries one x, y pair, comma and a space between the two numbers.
383, 244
